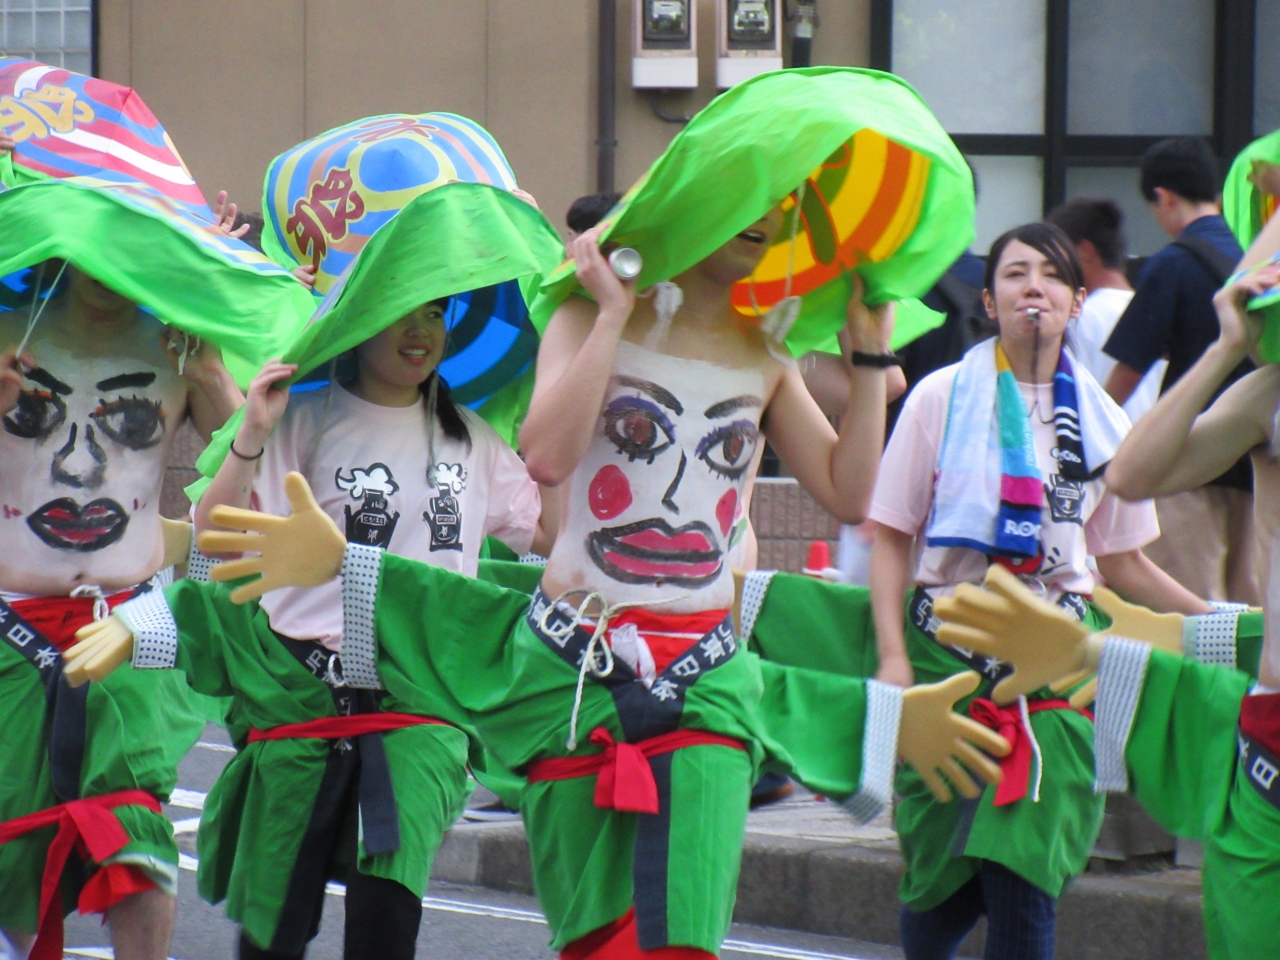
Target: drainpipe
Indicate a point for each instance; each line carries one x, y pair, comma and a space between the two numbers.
606, 86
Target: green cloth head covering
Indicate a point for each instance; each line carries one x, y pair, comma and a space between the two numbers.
885, 193
1247, 210
452, 239
145, 247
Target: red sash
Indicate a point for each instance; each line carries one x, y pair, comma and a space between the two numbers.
1260, 719
624, 780
58, 618
1015, 768
90, 826
336, 728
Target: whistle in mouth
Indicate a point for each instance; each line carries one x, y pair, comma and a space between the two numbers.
1033, 314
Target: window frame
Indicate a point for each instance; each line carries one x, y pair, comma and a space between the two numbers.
1233, 107
94, 12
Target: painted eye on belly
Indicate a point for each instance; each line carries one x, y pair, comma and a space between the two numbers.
37, 415
133, 422
638, 428
728, 449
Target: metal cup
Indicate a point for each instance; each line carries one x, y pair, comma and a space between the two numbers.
626, 263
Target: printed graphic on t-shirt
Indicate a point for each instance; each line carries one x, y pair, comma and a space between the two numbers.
444, 513
371, 523
1066, 500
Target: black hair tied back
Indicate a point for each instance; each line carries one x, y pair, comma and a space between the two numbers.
447, 414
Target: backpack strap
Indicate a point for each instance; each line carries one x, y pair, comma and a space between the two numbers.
1218, 264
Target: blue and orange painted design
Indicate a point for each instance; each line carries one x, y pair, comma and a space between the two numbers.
326, 197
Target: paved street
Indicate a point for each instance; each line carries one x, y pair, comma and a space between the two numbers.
459, 922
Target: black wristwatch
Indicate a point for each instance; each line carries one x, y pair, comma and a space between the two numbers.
880, 361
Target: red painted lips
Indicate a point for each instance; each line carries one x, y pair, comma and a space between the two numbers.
65, 525
651, 551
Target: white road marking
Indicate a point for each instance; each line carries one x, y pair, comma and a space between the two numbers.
216, 747
191, 799
469, 908
189, 825
100, 953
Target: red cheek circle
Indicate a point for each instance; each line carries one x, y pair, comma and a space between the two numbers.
609, 493
725, 510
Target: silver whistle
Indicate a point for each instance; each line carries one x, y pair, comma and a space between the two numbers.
626, 263
1033, 314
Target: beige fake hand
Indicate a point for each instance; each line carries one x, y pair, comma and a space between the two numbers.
100, 647
177, 542
304, 549
1163, 630
1008, 621
937, 741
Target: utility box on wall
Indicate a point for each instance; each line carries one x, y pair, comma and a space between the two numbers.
748, 40
664, 45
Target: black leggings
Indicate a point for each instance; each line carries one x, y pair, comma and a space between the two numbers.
382, 923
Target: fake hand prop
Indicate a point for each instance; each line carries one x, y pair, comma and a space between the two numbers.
937, 741
304, 549
1162, 630
177, 542
100, 647
1006, 620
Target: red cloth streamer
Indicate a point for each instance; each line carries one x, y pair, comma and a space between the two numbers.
1015, 769
58, 618
624, 780
1260, 720
618, 941
335, 728
656, 627
90, 826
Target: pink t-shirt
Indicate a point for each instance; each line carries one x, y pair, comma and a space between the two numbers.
368, 467
1081, 519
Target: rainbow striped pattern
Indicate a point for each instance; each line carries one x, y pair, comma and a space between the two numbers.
1017, 531
858, 207
69, 125
326, 197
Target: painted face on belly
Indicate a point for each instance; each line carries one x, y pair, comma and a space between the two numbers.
666, 483
83, 452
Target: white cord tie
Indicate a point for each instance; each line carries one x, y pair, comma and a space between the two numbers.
667, 299
1035, 748
101, 609
33, 317
597, 646
781, 317
185, 344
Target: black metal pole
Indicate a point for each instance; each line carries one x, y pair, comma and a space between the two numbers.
1055, 103
606, 81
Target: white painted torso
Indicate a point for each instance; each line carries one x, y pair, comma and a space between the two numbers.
656, 504
83, 456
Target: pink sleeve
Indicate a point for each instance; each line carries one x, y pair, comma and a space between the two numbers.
1117, 526
904, 487
514, 501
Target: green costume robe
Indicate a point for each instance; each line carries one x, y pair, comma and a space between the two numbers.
465, 642
1046, 842
134, 729
282, 816
1167, 733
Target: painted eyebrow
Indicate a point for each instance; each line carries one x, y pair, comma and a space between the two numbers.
726, 407
142, 379
661, 394
47, 379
